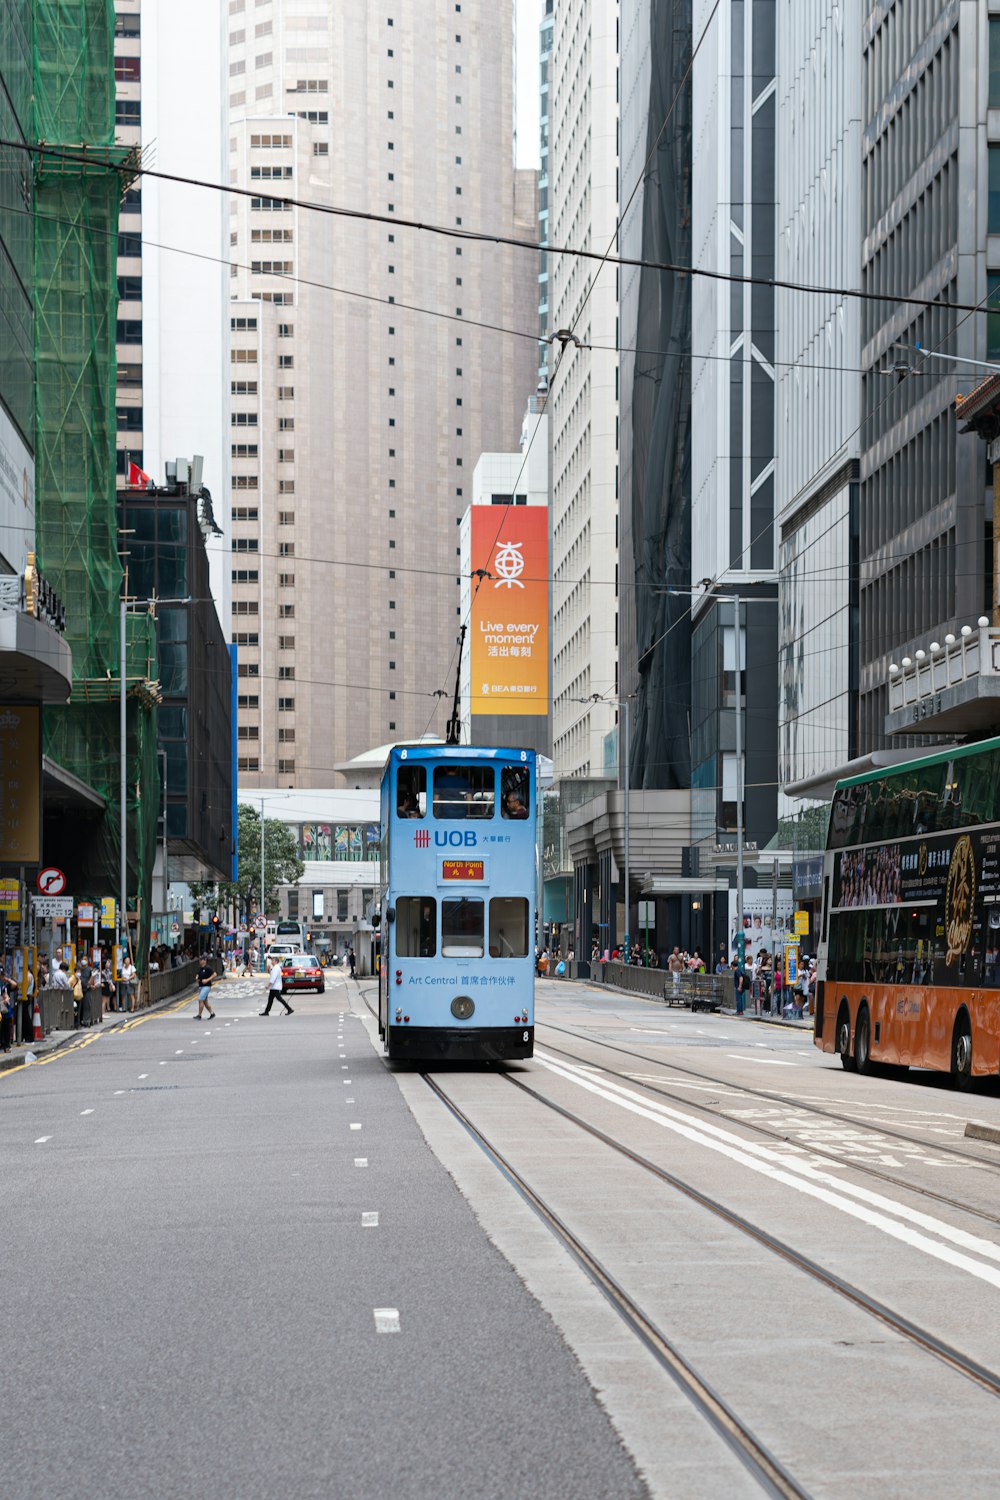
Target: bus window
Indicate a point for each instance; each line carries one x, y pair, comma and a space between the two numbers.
508, 927
514, 791
416, 927
463, 792
411, 792
462, 928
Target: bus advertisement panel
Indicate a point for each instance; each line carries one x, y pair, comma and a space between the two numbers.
510, 610
909, 958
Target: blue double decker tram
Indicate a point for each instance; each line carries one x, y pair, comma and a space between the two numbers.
458, 904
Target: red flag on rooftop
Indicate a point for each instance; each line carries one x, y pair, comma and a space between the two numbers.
137, 478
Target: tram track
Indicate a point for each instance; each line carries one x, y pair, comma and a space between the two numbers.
769, 1472
782, 1137
807, 1107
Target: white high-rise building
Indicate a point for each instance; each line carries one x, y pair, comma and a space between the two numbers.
173, 281
365, 386
818, 423
583, 404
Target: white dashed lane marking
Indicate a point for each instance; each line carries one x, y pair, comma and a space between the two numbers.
361, 1161
369, 1221
42, 1139
355, 1127
386, 1319
143, 1075
86, 1111
775, 1062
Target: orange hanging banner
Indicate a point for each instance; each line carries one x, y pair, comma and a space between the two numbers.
510, 611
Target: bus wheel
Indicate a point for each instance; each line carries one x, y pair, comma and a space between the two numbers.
863, 1042
844, 1039
961, 1053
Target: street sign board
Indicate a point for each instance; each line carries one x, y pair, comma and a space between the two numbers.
647, 913
260, 922
107, 911
58, 907
51, 882
85, 914
802, 923
9, 896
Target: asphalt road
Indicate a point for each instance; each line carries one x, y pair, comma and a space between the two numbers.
236, 1269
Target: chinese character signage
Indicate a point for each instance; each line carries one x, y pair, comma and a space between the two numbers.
9, 897
20, 784
510, 609
108, 910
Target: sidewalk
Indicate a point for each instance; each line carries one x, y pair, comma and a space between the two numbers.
57, 1040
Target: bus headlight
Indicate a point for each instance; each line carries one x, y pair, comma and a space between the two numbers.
462, 1007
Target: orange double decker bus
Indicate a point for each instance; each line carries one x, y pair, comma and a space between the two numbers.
908, 970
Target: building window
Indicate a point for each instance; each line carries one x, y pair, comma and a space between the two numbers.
286, 611
286, 674
286, 705
286, 643
286, 549
993, 316
126, 70
247, 763
285, 767
128, 112
286, 518
993, 216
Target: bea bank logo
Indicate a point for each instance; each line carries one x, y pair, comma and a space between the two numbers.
454, 838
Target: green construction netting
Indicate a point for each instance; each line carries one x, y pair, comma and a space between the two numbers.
75, 291
74, 72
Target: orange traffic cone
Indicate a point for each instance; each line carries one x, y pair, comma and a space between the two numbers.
36, 1022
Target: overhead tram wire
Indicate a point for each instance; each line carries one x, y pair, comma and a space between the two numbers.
530, 336
504, 241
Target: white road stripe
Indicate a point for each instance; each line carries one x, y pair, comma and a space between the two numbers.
179, 1051
870, 1208
361, 1161
369, 1221
775, 1062
42, 1139
348, 1101
86, 1111
355, 1127
143, 1075
118, 1091
386, 1319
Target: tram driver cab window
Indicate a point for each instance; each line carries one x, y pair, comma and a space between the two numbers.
514, 793
416, 927
411, 792
463, 792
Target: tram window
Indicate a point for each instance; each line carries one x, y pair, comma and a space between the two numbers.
416, 927
514, 793
411, 792
464, 792
508, 927
462, 928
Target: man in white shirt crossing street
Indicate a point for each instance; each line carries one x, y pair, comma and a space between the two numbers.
274, 990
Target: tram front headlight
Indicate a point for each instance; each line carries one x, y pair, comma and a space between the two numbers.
462, 1007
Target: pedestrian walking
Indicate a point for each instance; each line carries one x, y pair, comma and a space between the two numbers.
206, 978
353, 963
274, 980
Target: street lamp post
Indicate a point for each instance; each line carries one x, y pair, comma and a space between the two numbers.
127, 606
623, 703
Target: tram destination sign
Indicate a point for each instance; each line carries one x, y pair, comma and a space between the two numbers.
463, 869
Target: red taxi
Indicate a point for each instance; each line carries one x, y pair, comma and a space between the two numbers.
301, 971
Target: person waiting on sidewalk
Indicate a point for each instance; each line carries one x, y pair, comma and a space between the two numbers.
275, 982
128, 984
206, 978
6, 1015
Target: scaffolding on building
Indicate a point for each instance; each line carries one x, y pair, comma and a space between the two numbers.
78, 181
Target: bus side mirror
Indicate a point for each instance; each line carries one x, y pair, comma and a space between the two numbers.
390, 914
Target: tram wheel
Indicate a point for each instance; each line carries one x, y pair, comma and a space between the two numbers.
844, 1040
961, 1053
863, 1042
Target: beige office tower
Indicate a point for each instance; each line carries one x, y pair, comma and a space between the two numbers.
364, 384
